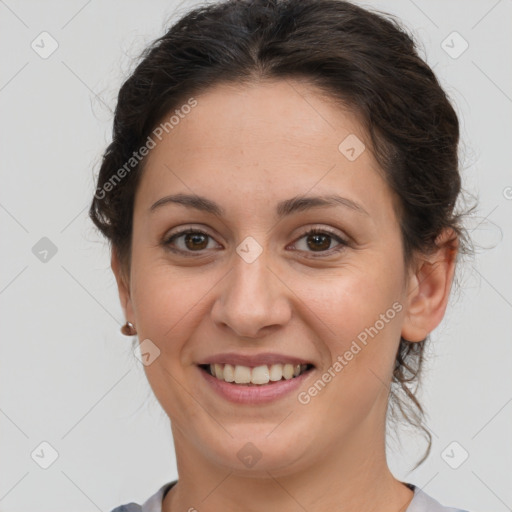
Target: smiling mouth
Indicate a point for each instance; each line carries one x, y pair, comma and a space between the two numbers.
255, 376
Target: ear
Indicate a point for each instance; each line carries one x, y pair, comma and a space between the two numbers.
123, 287
429, 287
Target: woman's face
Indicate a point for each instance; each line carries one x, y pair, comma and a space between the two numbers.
250, 288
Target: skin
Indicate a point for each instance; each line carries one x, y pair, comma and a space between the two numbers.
247, 148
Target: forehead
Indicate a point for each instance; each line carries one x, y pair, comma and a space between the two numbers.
270, 112
267, 136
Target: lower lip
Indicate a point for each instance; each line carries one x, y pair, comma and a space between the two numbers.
257, 394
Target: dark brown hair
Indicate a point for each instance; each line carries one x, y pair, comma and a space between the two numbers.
366, 61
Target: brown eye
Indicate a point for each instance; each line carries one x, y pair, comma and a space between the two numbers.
320, 241
190, 240
196, 241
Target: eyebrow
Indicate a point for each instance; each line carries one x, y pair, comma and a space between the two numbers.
283, 209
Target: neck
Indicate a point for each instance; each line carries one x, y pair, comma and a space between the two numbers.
353, 476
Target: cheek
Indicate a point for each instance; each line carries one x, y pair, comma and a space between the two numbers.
159, 300
168, 308
357, 317
363, 313
170, 302
354, 300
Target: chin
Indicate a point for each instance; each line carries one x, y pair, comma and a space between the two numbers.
256, 455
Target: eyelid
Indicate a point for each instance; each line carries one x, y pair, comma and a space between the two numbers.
322, 229
186, 229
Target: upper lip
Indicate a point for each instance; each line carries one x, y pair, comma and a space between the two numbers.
266, 358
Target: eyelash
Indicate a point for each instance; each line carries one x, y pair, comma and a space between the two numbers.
313, 231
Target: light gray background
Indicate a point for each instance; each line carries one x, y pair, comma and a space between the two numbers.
68, 376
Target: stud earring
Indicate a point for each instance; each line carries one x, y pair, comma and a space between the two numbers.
128, 329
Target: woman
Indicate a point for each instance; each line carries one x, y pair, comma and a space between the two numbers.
279, 197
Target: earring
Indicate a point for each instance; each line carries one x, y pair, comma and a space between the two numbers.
128, 329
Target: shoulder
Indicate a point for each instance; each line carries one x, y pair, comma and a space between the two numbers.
131, 507
423, 502
152, 504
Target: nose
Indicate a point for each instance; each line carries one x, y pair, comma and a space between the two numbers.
252, 301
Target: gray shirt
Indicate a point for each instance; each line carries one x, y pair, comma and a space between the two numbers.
421, 502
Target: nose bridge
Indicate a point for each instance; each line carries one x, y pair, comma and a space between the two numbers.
252, 299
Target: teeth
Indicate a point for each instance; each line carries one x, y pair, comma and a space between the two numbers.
258, 375
276, 372
288, 371
242, 374
229, 373
219, 371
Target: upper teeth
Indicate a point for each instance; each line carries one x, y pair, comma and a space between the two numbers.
257, 375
